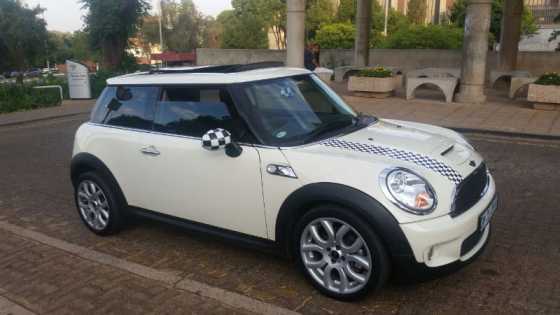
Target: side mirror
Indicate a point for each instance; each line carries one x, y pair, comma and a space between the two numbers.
217, 139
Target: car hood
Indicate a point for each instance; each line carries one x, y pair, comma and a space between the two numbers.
405, 144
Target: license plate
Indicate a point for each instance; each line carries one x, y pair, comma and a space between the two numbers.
486, 216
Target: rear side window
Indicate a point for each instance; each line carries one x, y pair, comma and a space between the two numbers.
192, 111
131, 107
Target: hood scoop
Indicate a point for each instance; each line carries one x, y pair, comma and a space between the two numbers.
448, 150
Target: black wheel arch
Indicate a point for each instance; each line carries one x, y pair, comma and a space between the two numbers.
86, 162
372, 211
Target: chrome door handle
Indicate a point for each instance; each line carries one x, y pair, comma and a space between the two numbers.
151, 150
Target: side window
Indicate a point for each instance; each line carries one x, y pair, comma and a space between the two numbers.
131, 107
100, 110
192, 111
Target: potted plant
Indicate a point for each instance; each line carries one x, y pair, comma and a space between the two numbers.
373, 82
545, 92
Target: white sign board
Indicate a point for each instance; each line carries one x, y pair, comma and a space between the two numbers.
78, 80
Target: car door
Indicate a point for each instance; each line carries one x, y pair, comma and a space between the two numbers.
187, 181
119, 121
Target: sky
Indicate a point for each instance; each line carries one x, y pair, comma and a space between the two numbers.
66, 15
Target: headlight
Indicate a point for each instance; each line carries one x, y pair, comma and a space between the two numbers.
408, 191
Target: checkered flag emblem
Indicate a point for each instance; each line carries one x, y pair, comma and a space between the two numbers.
418, 159
216, 139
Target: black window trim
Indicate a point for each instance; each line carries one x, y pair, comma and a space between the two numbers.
155, 107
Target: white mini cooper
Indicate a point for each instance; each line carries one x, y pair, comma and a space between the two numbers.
273, 157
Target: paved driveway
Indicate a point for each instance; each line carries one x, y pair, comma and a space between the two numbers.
519, 272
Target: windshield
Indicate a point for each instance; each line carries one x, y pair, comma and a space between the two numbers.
295, 110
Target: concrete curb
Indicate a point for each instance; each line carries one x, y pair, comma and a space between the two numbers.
34, 120
505, 133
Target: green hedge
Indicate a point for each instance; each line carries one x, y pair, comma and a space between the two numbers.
15, 97
337, 35
425, 37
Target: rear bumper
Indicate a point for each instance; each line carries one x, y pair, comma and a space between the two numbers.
446, 240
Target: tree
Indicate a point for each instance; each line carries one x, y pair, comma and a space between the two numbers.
318, 12
274, 12
245, 26
417, 11
337, 35
182, 25
23, 36
528, 24
63, 46
346, 11
110, 24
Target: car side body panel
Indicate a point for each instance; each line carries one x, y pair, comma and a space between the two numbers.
119, 150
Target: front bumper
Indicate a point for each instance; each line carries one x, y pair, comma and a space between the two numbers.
447, 240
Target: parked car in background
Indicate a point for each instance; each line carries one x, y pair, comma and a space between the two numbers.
274, 157
33, 73
12, 74
49, 70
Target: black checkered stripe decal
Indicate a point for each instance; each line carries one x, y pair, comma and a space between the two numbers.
417, 159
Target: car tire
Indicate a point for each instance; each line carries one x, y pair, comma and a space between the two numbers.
343, 258
98, 204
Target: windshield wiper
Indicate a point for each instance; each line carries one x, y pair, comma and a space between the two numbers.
330, 126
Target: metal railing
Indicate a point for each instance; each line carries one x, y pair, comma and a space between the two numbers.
52, 87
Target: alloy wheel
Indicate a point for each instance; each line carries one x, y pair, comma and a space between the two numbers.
336, 255
93, 204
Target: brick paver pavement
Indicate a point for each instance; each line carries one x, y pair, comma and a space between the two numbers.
37, 278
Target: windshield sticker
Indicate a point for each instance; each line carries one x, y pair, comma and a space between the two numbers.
415, 158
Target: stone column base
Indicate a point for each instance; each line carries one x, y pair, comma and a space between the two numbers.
471, 94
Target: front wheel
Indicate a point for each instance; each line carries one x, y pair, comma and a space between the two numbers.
340, 254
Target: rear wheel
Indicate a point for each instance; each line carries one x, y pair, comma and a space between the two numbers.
340, 254
98, 204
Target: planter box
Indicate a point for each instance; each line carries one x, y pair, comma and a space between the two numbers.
374, 86
546, 97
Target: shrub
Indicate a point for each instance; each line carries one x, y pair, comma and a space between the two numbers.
17, 97
377, 72
337, 35
551, 78
425, 37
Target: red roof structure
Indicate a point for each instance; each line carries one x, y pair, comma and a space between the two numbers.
171, 56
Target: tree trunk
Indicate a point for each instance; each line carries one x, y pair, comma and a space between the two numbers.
113, 52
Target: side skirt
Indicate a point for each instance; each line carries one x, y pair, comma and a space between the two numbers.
236, 238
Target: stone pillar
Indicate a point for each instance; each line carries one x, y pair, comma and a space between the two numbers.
295, 32
511, 35
475, 52
363, 27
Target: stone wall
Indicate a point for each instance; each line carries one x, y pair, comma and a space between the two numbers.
405, 59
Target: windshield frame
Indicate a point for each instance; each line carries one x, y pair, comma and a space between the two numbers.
249, 115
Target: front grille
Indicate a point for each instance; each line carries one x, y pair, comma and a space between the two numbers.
470, 191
